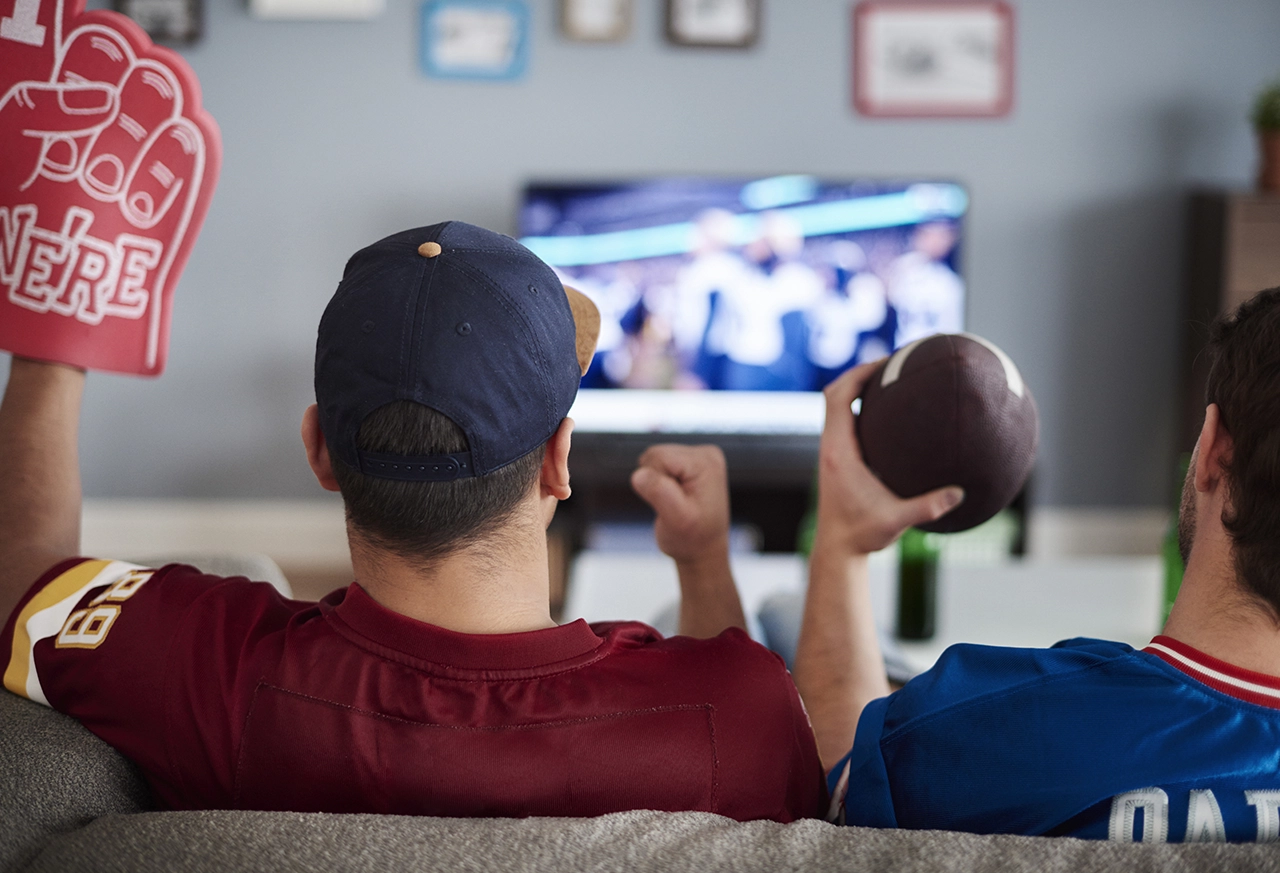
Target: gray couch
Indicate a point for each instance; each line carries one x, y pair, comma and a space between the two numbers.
68, 802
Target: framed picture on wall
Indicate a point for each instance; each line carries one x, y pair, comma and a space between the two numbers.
475, 39
171, 21
713, 23
933, 58
595, 20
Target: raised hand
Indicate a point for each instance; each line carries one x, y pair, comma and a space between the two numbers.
856, 512
687, 486
109, 165
838, 667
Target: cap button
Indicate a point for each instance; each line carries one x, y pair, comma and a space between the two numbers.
429, 249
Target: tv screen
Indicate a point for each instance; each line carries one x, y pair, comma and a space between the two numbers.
727, 304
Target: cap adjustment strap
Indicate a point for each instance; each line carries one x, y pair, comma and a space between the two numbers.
422, 468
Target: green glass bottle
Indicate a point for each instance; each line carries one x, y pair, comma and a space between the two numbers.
809, 523
1170, 552
917, 585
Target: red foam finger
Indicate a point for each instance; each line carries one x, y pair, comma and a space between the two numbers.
94, 54
29, 38
61, 156
149, 99
41, 107
42, 121
98, 212
163, 174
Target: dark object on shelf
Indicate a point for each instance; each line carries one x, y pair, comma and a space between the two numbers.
1266, 121
173, 21
1269, 161
950, 409
1233, 250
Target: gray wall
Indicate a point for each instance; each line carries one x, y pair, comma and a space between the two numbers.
332, 139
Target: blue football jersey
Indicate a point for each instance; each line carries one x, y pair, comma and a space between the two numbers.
1088, 739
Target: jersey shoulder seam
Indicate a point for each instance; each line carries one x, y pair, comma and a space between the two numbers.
990, 696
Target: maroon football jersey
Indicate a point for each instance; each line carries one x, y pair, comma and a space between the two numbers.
227, 695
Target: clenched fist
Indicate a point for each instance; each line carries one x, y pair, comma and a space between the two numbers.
688, 488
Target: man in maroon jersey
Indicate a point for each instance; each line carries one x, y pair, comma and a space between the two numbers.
437, 683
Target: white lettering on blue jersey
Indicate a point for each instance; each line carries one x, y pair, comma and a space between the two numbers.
1204, 819
1267, 807
1154, 804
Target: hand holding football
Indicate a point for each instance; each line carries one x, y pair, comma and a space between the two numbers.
950, 409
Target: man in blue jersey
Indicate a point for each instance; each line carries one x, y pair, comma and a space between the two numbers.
1179, 741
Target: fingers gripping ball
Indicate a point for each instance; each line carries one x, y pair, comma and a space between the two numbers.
107, 166
950, 409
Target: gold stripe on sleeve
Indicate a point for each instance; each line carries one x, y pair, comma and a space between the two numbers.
63, 591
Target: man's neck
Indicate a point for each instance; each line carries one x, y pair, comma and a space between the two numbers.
1217, 616
499, 585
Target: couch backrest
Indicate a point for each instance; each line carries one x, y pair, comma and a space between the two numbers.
634, 842
65, 799
55, 777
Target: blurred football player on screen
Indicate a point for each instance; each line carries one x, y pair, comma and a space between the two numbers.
925, 292
713, 274
766, 335
844, 325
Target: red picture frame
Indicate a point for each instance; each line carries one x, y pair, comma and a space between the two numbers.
933, 58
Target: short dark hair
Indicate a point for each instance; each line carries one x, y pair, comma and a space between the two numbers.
1244, 381
425, 520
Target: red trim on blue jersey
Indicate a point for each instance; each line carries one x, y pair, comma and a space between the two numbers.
1235, 681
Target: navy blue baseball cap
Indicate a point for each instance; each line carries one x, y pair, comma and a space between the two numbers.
460, 319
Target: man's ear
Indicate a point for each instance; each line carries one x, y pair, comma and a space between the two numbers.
554, 478
1213, 450
317, 449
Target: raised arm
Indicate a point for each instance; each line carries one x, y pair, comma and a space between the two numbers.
39, 474
688, 488
839, 668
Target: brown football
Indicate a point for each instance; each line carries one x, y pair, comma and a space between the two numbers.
950, 409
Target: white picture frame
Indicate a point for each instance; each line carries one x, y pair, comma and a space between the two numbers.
714, 23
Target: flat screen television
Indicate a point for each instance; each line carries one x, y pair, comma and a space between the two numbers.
728, 303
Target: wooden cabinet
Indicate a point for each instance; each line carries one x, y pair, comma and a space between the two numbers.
1233, 252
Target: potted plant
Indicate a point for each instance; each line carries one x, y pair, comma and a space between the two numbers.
1266, 121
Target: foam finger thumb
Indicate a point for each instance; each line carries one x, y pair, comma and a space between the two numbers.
62, 108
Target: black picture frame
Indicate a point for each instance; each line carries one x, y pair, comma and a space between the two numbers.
175, 22
693, 23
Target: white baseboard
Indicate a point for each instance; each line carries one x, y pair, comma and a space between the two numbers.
312, 533
294, 533
1055, 532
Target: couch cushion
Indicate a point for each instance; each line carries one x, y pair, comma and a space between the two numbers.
634, 842
55, 777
